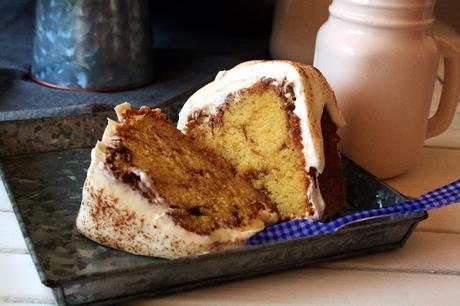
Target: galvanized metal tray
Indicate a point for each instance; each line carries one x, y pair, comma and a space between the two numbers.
44, 164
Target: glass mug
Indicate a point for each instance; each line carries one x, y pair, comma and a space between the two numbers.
381, 59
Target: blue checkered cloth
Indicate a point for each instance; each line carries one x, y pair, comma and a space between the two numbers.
440, 197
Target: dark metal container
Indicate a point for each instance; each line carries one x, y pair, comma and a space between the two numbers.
44, 163
92, 45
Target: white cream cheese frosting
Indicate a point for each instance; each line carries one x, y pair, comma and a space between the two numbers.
114, 214
311, 95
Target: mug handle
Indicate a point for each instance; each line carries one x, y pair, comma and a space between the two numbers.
450, 90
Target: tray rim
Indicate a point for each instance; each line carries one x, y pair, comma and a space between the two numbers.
415, 217
231, 278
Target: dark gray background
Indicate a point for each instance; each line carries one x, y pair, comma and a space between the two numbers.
192, 41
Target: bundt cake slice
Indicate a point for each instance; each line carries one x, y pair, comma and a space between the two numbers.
266, 118
150, 191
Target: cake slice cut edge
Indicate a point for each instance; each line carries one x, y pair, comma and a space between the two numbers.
137, 201
273, 121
